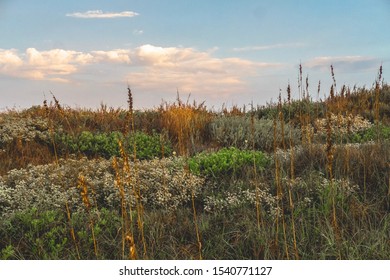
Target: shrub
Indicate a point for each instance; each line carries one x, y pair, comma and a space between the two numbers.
25, 129
239, 197
162, 183
38, 235
149, 146
227, 161
370, 134
106, 144
236, 131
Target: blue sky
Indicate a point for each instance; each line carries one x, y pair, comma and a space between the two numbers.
221, 51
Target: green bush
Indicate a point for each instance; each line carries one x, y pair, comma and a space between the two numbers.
370, 134
227, 161
37, 235
148, 146
106, 144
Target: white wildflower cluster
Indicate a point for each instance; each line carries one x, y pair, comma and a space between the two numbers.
240, 197
284, 156
338, 148
161, 184
300, 188
357, 146
342, 186
26, 129
309, 191
343, 124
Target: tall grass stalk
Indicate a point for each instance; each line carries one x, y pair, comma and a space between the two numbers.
279, 194
52, 138
256, 179
136, 188
377, 105
292, 175
198, 238
85, 198
126, 220
329, 167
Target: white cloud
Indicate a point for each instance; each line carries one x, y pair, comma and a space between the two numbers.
114, 56
9, 59
149, 68
190, 70
102, 15
55, 64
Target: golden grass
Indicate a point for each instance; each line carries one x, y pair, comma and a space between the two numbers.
51, 130
185, 122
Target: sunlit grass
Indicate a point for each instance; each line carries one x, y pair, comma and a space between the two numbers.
299, 179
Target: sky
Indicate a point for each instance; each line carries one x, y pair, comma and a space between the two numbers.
223, 52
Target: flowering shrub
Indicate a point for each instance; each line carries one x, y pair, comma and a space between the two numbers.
26, 129
162, 184
343, 124
240, 197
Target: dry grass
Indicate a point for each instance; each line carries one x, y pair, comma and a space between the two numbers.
321, 196
186, 123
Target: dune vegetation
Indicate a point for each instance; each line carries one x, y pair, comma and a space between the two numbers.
295, 179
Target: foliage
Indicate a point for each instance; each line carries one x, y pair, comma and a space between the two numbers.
107, 144
149, 146
293, 180
163, 184
237, 131
41, 235
23, 129
371, 134
227, 161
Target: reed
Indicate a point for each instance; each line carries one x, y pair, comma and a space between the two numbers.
329, 167
292, 176
377, 104
260, 222
185, 123
126, 219
85, 198
136, 188
67, 208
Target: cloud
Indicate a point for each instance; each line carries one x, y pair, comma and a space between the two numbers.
268, 47
190, 70
150, 68
190, 60
9, 59
102, 15
55, 64
343, 63
114, 56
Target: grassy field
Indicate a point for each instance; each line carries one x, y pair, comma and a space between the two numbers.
295, 179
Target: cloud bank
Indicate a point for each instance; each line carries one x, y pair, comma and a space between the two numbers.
157, 70
149, 68
55, 64
99, 14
